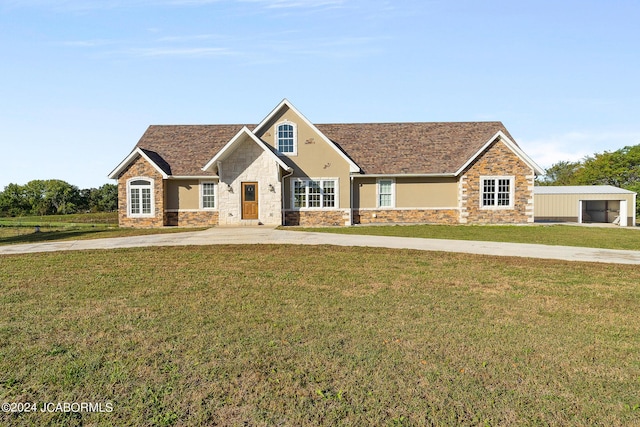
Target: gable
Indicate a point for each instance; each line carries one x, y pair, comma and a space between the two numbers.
307, 133
314, 155
244, 135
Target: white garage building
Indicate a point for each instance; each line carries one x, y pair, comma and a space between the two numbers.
585, 204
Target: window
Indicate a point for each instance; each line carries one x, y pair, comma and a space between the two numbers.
385, 193
314, 193
140, 197
286, 138
497, 192
208, 192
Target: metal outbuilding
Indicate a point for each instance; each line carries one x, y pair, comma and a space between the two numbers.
585, 204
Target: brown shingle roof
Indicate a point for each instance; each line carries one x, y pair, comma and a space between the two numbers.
185, 149
414, 148
378, 148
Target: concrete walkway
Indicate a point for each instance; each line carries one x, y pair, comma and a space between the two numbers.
267, 235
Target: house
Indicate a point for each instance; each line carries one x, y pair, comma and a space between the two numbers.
585, 204
289, 171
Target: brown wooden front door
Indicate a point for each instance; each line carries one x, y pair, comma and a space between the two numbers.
249, 200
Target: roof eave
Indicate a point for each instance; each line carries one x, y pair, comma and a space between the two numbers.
511, 145
408, 175
136, 152
220, 155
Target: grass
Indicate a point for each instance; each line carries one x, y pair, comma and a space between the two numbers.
93, 219
71, 227
236, 335
563, 235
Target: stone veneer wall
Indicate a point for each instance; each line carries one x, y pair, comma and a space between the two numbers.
316, 218
191, 218
407, 216
497, 160
141, 168
249, 163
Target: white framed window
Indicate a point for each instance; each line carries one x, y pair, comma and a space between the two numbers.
496, 192
140, 198
386, 193
208, 194
286, 138
314, 193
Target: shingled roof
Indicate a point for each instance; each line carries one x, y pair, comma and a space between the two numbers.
185, 149
412, 148
378, 148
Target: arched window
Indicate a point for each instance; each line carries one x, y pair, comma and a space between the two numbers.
140, 197
286, 138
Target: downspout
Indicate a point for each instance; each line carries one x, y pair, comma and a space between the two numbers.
351, 201
282, 214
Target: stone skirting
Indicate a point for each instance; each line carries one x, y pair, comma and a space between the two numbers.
316, 218
191, 218
406, 216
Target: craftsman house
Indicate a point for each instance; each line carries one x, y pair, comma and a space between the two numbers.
289, 171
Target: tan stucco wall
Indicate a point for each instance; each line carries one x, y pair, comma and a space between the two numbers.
364, 193
426, 193
314, 159
410, 193
183, 194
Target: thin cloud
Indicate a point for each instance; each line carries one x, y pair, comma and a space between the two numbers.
188, 52
289, 4
87, 5
189, 38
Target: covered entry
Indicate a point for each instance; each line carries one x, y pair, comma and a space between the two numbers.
585, 204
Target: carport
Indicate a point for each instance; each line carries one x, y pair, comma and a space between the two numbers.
585, 204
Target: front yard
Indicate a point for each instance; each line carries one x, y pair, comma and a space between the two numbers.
274, 335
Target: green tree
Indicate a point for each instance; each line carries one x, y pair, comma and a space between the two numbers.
620, 168
34, 192
561, 173
61, 197
107, 198
13, 201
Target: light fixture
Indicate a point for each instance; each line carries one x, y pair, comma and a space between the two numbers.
272, 188
229, 188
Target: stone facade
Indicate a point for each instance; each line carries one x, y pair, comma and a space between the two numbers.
497, 160
249, 163
140, 168
338, 217
203, 218
406, 216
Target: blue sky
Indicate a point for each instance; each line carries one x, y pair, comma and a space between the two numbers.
82, 79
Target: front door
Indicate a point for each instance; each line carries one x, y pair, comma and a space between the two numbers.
249, 200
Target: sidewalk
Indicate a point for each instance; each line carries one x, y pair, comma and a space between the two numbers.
267, 235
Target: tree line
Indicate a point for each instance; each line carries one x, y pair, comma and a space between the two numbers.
620, 168
56, 197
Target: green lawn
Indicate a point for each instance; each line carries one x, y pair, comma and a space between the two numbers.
95, 219
305, 336
563, 235
71, 227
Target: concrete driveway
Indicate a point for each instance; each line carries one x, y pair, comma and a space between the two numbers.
267, 235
